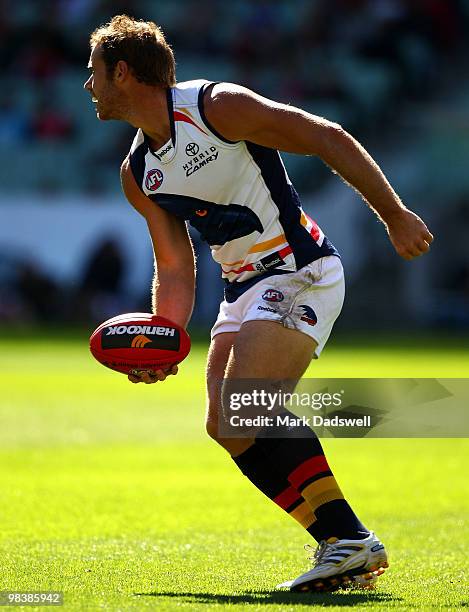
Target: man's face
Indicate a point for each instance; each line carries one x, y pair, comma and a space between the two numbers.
102, 88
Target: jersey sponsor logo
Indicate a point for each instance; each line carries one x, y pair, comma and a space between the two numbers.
192, 149
140, 341
273, 295
200, 160
269, 261
153, 179
267, 309
309, 316
162, 153
148, 330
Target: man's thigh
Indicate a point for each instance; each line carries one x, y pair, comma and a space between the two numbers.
218, 356
217, 359
267, 349
261, 349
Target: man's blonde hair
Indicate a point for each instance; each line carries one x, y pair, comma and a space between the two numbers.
139, 43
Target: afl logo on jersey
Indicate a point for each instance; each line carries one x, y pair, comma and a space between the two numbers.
153, 179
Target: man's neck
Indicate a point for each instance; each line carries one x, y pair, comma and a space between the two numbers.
148, 110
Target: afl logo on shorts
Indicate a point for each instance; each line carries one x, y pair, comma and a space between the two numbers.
153, 179
272, 295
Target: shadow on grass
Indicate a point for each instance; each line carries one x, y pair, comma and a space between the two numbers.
280, 597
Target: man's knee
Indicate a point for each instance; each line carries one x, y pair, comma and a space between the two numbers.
213, 429
233, 446
211, 426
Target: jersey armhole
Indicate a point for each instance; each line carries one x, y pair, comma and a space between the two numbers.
137, 167
200, 104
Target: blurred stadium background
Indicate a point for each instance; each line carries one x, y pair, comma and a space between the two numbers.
392, 72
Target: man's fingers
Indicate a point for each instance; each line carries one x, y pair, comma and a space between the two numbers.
406, 255
421, 247
409, 253
424, 246
149, 376
414, 251
428, 237
144, 376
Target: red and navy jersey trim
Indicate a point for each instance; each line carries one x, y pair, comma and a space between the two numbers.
304, 247
200, 103
137, 157
170, 105
137, 163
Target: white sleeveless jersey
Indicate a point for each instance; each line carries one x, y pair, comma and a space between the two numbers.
236, 194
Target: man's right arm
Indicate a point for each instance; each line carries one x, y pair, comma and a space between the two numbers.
174, 283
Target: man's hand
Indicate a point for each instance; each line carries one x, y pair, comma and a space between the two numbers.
148, 376
408, 233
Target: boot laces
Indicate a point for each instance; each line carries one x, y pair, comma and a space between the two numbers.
320, 553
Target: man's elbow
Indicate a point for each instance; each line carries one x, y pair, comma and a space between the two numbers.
334, 140
335, 132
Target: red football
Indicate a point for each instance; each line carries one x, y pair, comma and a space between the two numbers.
139, 341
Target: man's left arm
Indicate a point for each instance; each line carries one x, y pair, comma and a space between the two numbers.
240, 114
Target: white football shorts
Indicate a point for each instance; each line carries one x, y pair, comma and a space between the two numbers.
308, 300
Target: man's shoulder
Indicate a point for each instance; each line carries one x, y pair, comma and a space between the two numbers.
187, 93
191, 84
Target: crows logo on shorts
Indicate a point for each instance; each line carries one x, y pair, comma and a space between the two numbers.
308, 315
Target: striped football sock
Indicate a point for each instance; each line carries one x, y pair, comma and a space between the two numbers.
254, 464
302, 463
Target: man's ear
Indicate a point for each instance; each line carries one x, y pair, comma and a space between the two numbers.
121, 71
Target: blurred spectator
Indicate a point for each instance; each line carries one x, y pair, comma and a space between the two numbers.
75, 12
39, 292
360, 61
100, 294
104, 268
51, 123
13, 122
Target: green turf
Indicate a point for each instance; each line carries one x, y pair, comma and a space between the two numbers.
111, 492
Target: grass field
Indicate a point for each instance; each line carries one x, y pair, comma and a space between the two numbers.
112, 493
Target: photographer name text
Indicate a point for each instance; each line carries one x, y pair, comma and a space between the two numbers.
290, 421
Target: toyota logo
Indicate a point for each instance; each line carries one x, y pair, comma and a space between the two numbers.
192, 149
